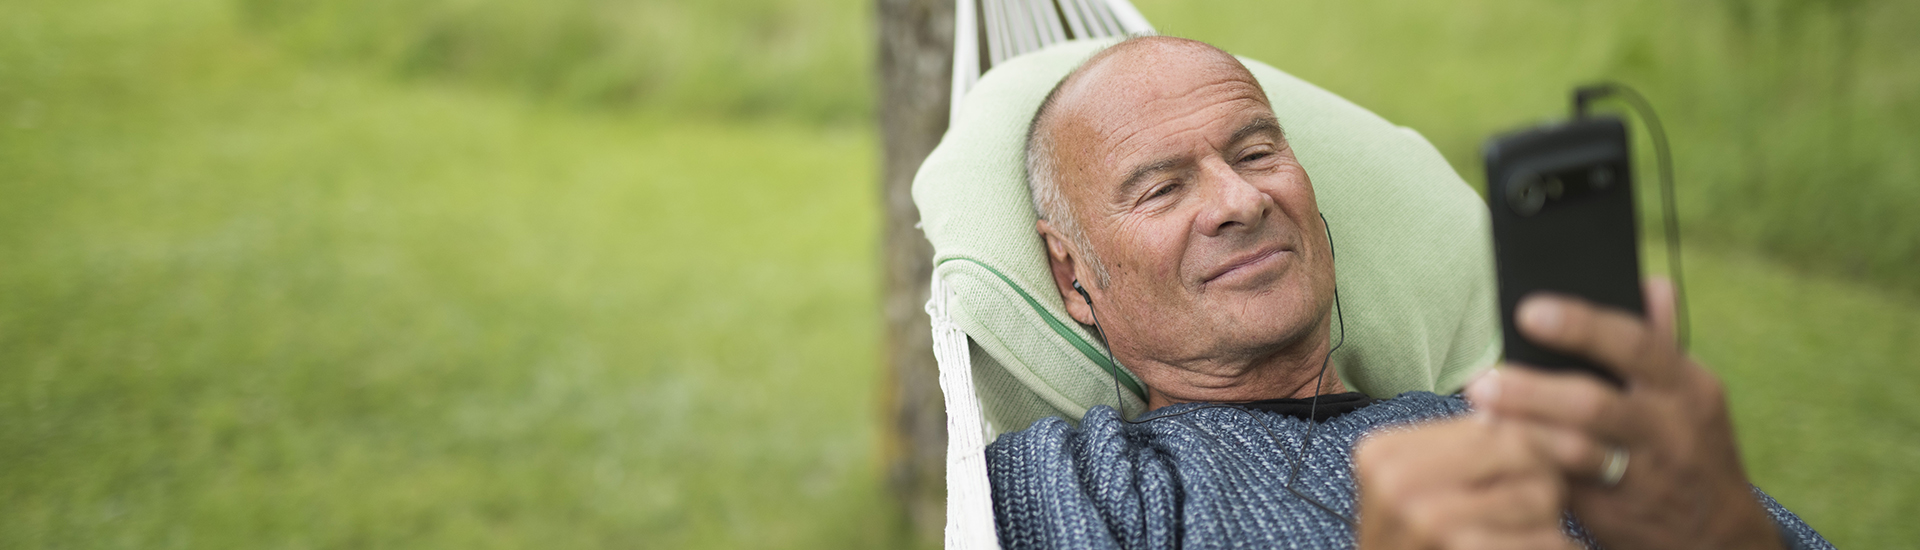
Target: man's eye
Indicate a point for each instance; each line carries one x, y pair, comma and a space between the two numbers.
1250, 157
1163, 190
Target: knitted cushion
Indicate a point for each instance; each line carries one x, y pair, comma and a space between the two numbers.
1413, 256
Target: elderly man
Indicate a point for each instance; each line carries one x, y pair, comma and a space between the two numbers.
1178, 222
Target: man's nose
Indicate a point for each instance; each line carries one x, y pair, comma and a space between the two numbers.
1233, 203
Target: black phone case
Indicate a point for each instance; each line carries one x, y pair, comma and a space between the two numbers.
1562, 204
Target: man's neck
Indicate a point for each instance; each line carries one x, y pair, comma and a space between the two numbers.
1298, 372
1329, 386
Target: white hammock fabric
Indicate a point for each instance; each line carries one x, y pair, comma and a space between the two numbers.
987, 32
969, 497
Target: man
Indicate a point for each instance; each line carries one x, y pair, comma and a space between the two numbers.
1178, 222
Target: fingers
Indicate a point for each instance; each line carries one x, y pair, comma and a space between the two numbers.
1579, 455
1504, 507
1460, 484
1614, 338
1454, 452
1659, 295
1537, 539
1562, 399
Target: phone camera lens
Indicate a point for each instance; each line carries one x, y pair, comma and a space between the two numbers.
1525, 194
1600, 177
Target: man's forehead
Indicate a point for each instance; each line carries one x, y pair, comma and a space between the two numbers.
1120, 103
1153, 69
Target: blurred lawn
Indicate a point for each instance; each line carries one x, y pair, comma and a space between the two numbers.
800, 59
248, 304
587, 273
1821, 376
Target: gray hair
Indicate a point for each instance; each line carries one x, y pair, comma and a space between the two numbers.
1043, 168
1043, 176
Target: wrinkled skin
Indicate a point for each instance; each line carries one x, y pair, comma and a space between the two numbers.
1182, 180
1474, 483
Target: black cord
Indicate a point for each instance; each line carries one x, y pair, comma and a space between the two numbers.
1299, 462
1584, 95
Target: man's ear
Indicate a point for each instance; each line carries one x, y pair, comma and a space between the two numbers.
1061, 262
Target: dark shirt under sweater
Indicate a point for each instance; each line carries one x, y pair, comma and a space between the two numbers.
1210, 477
1319, 408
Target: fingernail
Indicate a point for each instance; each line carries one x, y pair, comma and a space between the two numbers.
1541, 314
1484, 389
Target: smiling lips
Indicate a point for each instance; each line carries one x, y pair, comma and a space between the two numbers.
1246, 262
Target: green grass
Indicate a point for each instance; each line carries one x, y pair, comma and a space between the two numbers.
1821, 375
1819, 372
802, 59
246, 304
264, 282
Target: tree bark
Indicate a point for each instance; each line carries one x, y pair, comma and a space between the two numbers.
915, 69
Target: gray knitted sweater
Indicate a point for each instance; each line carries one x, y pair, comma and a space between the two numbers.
1209, 478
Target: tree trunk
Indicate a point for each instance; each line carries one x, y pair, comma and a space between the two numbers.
916, 70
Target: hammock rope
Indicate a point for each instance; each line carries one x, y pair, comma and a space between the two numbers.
987, 32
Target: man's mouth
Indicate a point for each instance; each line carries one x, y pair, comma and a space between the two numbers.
1247, 262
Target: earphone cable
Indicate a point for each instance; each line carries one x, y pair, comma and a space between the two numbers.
1670, 217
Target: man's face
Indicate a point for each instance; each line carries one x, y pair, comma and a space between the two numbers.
1190, 196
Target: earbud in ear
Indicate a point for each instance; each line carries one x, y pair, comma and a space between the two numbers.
1082, 291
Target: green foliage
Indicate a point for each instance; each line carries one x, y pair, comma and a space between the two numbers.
1792, 121
733, 58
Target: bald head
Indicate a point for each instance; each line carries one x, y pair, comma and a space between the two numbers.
1112, 82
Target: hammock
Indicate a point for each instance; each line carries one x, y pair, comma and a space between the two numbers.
987, 32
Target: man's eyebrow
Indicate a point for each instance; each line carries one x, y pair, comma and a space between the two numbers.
1140, 175
1259, 125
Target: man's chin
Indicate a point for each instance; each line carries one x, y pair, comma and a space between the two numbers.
1267, 313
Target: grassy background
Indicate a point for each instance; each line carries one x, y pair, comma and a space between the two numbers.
738, 58
246, 303
596, 273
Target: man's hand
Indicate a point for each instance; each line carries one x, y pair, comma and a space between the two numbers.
1471, 483
1683, 486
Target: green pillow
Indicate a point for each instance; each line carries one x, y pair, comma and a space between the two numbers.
1413, 256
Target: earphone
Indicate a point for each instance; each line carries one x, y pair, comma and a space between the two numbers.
1299, 462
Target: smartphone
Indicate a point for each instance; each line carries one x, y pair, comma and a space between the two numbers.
1561, 199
